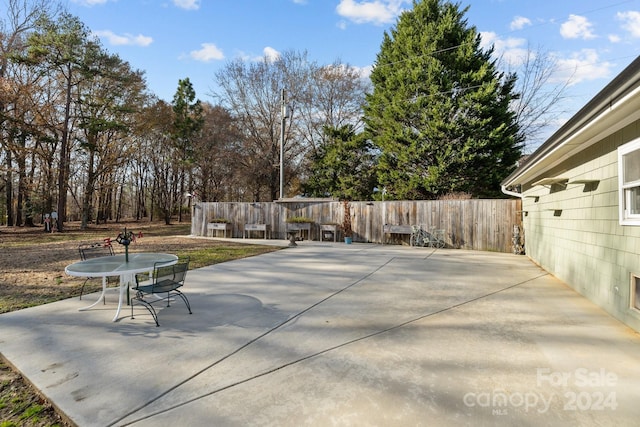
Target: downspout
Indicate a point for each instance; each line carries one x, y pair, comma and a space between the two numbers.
517, 238
511, 193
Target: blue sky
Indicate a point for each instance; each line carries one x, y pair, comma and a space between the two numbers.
591, 40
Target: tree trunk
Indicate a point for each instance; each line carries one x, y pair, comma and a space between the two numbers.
29, 221
87, 200
22, 189
180, 195
63, 172
9, 187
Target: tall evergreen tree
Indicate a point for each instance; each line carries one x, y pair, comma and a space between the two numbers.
342, 166
439, 112
187, 123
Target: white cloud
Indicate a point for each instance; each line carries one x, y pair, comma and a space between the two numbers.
614, 38
577, 27
364, 72
377, 11
89, 2
270, 54
511, 50
125, 39
519, 22
300, 1
581, 66
630, 22
209, 52
187, 4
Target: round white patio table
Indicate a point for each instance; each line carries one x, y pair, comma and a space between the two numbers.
116, 265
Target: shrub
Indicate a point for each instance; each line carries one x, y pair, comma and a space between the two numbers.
299, 219
220, 220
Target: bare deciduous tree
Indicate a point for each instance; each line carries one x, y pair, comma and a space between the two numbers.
541, 96
21, 17
217, 176
318, 96
337, 96
252, 92
151, 135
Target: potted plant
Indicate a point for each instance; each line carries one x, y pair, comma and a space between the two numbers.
346, 223
300, 220
220, 221
299, 223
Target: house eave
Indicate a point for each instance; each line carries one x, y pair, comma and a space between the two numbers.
613, 108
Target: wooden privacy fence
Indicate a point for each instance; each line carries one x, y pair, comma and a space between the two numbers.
478, 224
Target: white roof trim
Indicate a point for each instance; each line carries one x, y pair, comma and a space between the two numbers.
618, 115
613, 108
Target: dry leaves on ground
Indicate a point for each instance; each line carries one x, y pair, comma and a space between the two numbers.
32, 269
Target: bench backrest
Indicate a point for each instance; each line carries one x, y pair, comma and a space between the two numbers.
95, 250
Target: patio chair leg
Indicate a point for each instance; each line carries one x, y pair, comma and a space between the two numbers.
149, 307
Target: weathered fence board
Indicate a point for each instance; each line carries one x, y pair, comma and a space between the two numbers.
479, 224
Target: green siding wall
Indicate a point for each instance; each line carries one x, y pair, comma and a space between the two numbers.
574, 232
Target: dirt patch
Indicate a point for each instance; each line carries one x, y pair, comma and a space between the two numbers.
32, 262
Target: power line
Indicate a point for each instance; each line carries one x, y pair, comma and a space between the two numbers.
549, 21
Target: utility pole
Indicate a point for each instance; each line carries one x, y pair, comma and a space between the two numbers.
284, 113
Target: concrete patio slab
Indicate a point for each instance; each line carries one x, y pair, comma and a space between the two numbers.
333, 334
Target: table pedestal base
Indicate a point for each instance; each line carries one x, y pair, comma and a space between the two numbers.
125, 281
